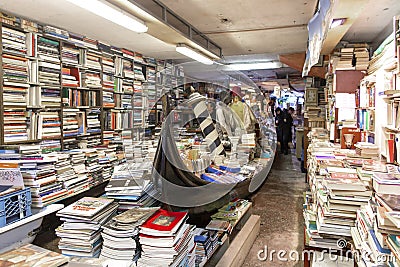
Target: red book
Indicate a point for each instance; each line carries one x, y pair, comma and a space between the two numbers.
164, 221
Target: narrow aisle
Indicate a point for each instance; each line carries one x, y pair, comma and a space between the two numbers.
279, 203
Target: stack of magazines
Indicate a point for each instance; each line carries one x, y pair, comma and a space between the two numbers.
80, 232
121, 235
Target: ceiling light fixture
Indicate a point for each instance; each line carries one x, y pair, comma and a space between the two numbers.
194, 54
337, 22
256, 65
112, 13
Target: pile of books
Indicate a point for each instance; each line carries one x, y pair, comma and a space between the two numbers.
41, 177
362, 58
377, 229
13, 41
166, 239
70, 54
129, 184
346, 59
232, 212
121, 235
49, 125
93, 59
15, 124
49, 73
206, 243
81, 231
49, 50
70, 123
94, 170
91, 79
367, 150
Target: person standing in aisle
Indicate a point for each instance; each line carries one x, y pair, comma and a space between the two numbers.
286, 122
278, 125
291, 112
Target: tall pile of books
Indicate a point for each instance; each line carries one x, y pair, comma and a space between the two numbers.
81, 231
362, 58
206, 243
378, 223
121, 235
346, 59
94, 170
40, 176
165, 239
70, 127
80, 183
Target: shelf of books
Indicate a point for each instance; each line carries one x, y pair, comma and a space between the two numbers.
64, 95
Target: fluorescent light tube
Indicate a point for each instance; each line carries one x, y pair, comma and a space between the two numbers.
112, 14
256, 66
189, 52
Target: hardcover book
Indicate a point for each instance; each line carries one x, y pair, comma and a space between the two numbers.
164, 221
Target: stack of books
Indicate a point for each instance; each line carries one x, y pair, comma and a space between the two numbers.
386, 183
346, 59
367, 150
108, 99
41, 177
127, 183
165, 239
70, 123
108, 157
137, 69
13, 41
48, 146
49, 50
49, 73
70, 54
206, 243
30, 152
50, 97
232, 212
128, 69
49, 125
68, 79
94, 170
121, 235
91, 79
81, 231
362, 58
93, 121
93, 59
344, 194
15, 125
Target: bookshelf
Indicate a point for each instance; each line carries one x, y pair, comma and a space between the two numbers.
61, 91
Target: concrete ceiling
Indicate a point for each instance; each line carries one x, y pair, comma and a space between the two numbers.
253, 30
